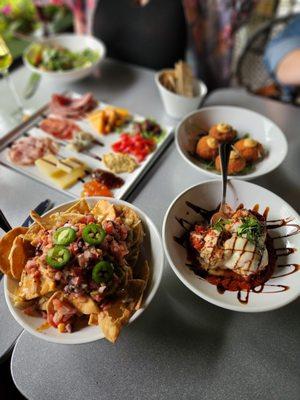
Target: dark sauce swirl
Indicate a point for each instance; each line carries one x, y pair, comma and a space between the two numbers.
231, 281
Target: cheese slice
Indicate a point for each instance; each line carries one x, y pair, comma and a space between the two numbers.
69, 164
97, 120
65, 180
47, 165
122, 112
94, 115
104, 121
64, 173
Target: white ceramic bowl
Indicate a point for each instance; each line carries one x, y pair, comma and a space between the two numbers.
178, 106
207, 195
152, 250
74, 43
244, 121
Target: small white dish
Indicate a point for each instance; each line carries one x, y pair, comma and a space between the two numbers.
74, 43
178, 106
152, 250
244, 121
207, 195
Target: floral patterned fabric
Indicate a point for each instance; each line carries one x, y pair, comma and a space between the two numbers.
211, 28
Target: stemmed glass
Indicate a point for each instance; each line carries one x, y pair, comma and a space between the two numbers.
43, 16
83, 13
6, 60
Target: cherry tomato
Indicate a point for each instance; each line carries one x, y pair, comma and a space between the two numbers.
136, 145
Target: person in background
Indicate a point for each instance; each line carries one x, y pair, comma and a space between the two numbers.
147, 33
282, 59
154, 33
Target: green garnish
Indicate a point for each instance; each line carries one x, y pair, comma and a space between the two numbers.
85, 58
93, 234
150, 129
250, 227
209, 165
58, 256
149, 135
102, 272
56, 58
220, 224
64, 236
249, 168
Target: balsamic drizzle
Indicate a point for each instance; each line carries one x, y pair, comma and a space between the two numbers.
295, 268
274, 253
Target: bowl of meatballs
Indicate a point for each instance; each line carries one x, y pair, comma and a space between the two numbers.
257, 145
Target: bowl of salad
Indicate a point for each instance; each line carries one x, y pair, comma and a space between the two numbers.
65, 58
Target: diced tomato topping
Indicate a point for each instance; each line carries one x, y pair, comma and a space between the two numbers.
197, 237
88, 219
50, 319
200, 229
118, 231
31, 266
62, 312
118, 249
136, 145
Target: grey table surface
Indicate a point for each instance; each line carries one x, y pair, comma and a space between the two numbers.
9, 329
182, 347
119, 83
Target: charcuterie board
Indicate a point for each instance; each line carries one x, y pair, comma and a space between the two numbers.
92, 158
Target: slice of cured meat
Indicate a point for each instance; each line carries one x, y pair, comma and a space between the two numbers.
69, 107
60, 128
26, 150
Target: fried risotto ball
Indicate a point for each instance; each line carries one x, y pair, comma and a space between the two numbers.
223, 132
250, 149
207, 148
236, 163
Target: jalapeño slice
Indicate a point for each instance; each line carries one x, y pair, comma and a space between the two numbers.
58, 256
102, 272
93, 234
64, 236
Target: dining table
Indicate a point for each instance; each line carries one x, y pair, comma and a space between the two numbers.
182, 347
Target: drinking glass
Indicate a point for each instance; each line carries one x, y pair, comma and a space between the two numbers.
6, 60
